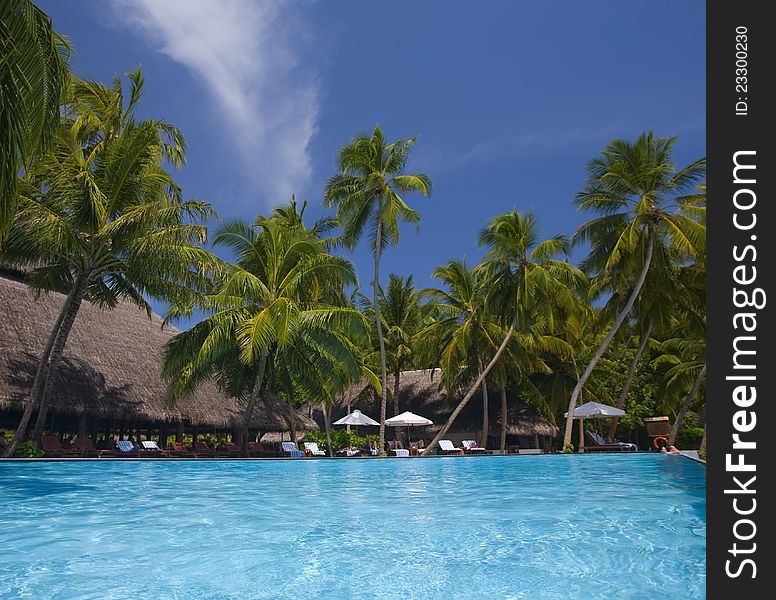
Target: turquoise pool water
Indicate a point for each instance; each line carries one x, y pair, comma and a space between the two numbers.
559, 526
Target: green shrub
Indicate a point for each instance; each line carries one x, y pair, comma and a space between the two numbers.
340, 438
689, 438
568, 448
28, 449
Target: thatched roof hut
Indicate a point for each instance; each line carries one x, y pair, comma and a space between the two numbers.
111, 368
420, 393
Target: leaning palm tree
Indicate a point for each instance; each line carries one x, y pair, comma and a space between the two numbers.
105, 222
465, 331
366, 194
640, 194
33, 77
525, 281
267, 307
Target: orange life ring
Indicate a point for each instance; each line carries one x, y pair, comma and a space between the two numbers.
660, 437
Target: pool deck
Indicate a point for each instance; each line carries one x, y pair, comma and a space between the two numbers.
690, 454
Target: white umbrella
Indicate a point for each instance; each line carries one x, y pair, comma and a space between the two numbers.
596, 410
355, 418
593, 410
408, 419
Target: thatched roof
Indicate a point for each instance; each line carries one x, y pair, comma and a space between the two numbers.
419, 392
111, 366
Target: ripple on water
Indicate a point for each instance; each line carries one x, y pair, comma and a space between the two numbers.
501, 527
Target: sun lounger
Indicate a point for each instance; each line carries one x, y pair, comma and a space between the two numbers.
599, 444
313, 448
348, 452
87, 448
126, 448
471, 447
291, 450
52, 447
151, 448
401, 452
446, 447
178, 450
369, 449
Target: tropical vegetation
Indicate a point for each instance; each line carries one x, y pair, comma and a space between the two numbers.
89, 208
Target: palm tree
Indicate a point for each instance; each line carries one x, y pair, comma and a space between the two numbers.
366, 194
108, 223
402, 315
33, 77
290, 215
638, 190
525, 281
268, 307
464, 330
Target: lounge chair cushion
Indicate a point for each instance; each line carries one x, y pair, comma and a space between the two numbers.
125, 446
447, 446
291, 449
313, 447
600, 441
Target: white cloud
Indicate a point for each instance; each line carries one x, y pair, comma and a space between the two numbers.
243, 52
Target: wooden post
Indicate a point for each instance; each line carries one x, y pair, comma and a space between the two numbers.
94, 426
164, 432
194, 433
82, 418
581, 435
121, 429
179, 431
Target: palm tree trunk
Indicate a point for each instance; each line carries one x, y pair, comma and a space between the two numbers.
347, 427
607, 340
254, 398
40, 379
327, 425
291, 420
378, 323
686, 405
629, 378
46, 373
504, 417
56, 357
462, 404
485, 423
396, 378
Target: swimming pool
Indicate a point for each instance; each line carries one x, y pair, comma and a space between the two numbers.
556, 526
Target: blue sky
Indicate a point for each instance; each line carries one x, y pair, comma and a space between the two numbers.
510, 99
